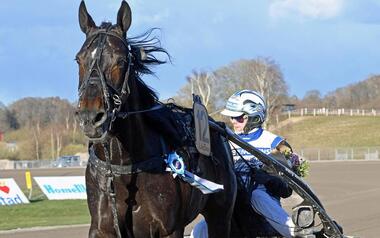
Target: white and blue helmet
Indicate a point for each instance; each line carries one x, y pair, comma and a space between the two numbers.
246, 102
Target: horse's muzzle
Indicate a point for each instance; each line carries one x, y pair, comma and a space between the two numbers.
92, 123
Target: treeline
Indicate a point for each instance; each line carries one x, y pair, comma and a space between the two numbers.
361, 95
215, 87
39, 128
264, 75
45, 128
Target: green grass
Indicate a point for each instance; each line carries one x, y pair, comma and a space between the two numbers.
332, 131
44, 213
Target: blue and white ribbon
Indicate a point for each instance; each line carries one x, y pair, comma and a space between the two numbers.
177, 167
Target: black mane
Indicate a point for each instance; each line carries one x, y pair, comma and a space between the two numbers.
144, 50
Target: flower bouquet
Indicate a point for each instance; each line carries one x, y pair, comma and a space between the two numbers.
299, 165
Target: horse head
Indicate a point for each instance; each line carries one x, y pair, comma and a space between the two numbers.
104, 64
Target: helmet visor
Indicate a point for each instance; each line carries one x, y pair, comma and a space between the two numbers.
230, 113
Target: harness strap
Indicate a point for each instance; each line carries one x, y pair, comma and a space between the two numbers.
124, 115
111, 188
143, 166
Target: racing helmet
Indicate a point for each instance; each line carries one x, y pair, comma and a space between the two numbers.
247, 102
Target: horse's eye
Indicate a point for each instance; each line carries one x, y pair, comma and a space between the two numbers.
118, 66
121, 62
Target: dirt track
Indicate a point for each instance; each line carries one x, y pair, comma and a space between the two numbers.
349, 191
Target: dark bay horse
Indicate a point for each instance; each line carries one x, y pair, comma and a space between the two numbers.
129, 192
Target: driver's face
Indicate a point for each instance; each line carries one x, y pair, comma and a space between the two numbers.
239, 123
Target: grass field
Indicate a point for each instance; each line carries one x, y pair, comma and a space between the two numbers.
332, 131
44, 213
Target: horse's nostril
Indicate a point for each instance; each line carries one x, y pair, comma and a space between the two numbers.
99, 118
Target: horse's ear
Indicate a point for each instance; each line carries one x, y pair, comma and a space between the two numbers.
85, 20
124, 16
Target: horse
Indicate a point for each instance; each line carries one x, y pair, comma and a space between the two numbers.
130, 193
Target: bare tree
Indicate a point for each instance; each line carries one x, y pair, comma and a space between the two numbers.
312, 99
262, 75
361, 95
201, 83
36, 135
52, 143
59, 145
74, 130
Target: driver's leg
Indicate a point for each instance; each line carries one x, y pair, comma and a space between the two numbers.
200, 230
271, 209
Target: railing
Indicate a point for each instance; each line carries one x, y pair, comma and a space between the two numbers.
311, 154
30, 164
332, 112
354, 153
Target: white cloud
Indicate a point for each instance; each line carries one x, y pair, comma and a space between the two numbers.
316, 9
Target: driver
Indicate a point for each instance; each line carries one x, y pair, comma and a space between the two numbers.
247, 111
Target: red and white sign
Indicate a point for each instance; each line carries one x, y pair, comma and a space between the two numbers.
10, 193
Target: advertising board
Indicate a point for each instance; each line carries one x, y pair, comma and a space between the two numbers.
10, 193
62, 187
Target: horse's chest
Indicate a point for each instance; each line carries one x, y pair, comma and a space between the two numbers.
159, 191
156, 203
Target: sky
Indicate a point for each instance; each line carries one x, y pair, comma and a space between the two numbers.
319, 44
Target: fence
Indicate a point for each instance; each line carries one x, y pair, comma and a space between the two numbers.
34, 164
77, 160
357, 153
311, 154
331, 112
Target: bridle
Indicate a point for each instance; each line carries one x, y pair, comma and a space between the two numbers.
114, 98
118, 98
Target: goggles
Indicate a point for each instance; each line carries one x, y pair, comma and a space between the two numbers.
240, 118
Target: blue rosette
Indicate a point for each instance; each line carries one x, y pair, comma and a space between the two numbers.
176, 164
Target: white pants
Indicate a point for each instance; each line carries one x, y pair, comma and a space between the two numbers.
200, 230
266, 205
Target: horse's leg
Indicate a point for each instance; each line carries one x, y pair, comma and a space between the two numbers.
219, 207
218, 212
98, 204
218, 222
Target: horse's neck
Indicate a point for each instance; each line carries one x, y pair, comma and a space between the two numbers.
130, 145
140, 97
140, 140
